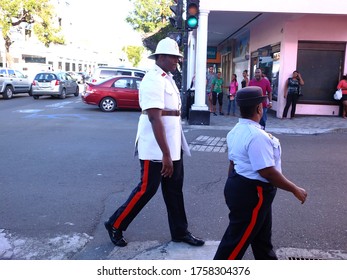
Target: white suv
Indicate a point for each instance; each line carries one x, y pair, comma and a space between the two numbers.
104, 72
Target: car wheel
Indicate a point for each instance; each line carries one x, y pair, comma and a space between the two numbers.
36, 97
108, 104
30, 92
77, 92
63, 94
8, 93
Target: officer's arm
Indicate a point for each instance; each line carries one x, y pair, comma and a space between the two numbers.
277, 179
154, 116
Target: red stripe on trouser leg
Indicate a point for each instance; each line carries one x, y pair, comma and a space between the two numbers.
250, 227
136, 198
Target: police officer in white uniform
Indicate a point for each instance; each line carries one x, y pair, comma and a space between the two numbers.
160, 144
254, 176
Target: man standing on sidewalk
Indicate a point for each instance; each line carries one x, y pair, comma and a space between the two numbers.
264, 84
160, 143
209, 79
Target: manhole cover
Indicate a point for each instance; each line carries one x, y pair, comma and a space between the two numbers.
310, 254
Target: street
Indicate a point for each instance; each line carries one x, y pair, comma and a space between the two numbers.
66, 166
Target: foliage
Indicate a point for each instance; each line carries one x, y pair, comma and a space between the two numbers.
149, 16
134, 54
35, 15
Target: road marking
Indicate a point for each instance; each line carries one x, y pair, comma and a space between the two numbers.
56, 116
29, 111
209, 144
59, 104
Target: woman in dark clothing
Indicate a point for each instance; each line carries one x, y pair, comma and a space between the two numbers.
291, 93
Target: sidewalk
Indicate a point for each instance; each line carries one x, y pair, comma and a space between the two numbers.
299, 125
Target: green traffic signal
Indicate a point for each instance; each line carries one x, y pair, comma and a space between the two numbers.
192, 22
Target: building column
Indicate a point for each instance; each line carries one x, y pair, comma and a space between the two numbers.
199, 113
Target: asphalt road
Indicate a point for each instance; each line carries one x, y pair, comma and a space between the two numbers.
65, 166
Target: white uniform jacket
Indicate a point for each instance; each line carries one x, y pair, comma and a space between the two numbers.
158, 90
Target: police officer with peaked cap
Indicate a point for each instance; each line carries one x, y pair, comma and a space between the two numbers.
160, 144
253, 178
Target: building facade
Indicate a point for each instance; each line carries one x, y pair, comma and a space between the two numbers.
280, 40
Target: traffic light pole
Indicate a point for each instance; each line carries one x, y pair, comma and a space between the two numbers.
184, 96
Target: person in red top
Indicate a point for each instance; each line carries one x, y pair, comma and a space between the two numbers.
343, 85
264, 84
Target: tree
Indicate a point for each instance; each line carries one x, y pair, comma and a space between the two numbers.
150, 18
38, 15
134, 54
149, 15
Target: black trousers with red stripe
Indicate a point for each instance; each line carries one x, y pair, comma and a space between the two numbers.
146, 189
250, 219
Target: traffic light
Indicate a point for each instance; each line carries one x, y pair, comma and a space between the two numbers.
192, 21
177, 21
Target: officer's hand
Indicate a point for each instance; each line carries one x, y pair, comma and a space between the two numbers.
167, 168
300, 194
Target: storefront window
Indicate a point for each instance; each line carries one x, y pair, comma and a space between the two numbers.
321, 66
268, 60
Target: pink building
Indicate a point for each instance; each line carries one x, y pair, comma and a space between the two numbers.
279, 40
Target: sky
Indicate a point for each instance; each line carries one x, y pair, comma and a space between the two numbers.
102, 23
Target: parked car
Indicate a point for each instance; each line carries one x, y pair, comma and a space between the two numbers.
13, 82
57, 84
104, 72
113, 93
76, 76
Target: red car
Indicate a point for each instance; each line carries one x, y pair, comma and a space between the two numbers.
113, 93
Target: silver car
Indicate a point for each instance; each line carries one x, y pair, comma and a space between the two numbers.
13, 82
57, 84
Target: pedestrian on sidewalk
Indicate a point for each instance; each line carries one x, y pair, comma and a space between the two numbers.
292, 93
233, 88
343, 86
217, 93
210, 76
160, 144
264, 84
245, 80
253, 177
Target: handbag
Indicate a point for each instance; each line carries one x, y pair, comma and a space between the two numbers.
300, 93
338, 94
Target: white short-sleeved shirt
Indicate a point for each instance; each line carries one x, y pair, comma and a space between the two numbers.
252, 149
158, 90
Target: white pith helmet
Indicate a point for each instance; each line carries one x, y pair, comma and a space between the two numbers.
166, 46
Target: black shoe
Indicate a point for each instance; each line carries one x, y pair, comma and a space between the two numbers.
190, 239
221, 113
116, 235
214, 114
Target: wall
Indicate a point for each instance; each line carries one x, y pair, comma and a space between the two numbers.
275, 6
289, 29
